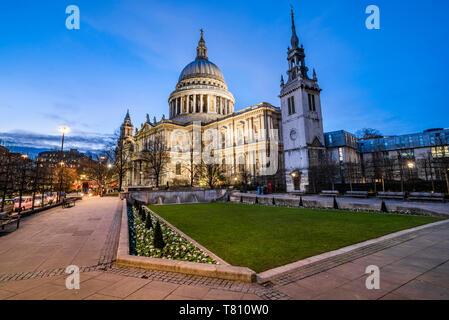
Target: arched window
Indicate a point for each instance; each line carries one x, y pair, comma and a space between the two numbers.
178, 169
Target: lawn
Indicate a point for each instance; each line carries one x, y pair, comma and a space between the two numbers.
263, 237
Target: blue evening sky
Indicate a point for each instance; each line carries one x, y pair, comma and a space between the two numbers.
129, 54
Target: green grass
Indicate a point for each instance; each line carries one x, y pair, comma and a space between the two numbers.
262, 237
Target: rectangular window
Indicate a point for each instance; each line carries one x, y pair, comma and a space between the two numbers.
311, 99
432, 140
440, 152
407, 153
293, 105
340, 154
421, 141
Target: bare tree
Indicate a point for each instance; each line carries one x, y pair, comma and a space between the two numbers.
99, 170
157, 157
329, 168
118, 156
212, 172
368, 133
193, 169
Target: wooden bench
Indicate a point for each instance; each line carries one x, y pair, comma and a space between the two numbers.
7, 218
357, 194
329, 193
426, 196
69, 202
391, 195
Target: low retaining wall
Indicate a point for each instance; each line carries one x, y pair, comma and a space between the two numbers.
176, 196
220, 271
328, 203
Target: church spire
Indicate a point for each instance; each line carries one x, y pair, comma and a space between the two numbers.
127, 120
201, 50
294, 40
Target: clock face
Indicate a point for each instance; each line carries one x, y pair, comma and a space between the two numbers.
293, 134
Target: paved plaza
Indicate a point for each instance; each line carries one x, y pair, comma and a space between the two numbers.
33, 260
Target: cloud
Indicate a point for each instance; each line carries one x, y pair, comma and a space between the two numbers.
82, 141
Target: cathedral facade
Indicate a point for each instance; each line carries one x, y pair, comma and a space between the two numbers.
262, 143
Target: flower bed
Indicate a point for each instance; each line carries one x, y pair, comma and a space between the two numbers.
176, 248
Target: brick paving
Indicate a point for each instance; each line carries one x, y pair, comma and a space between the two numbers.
413, 266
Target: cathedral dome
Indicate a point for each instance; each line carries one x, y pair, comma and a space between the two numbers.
201, 93
201, 68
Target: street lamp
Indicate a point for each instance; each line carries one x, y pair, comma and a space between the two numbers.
411, 166
63, 130
22, 183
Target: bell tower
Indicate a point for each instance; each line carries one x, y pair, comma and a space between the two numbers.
302, 121
126, 129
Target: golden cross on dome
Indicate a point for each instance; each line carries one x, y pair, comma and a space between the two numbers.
202, 31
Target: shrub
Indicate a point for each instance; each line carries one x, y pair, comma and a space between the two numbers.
301, 204
383, 207
148, 222
142, 213
335, 203
158, 237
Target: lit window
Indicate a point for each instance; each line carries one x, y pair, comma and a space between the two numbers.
340, 154
440, 152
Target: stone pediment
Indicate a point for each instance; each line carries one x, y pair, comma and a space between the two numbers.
316, 143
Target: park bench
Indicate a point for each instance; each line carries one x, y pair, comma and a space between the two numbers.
357, 194
426, 196
329, 193
68, 202
7, 218
391, 195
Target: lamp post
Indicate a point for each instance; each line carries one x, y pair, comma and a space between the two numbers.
63, 130
101, 174
22, 181
411, 166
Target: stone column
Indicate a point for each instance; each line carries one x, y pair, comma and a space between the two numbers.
194, 103
188, 103
201, 103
